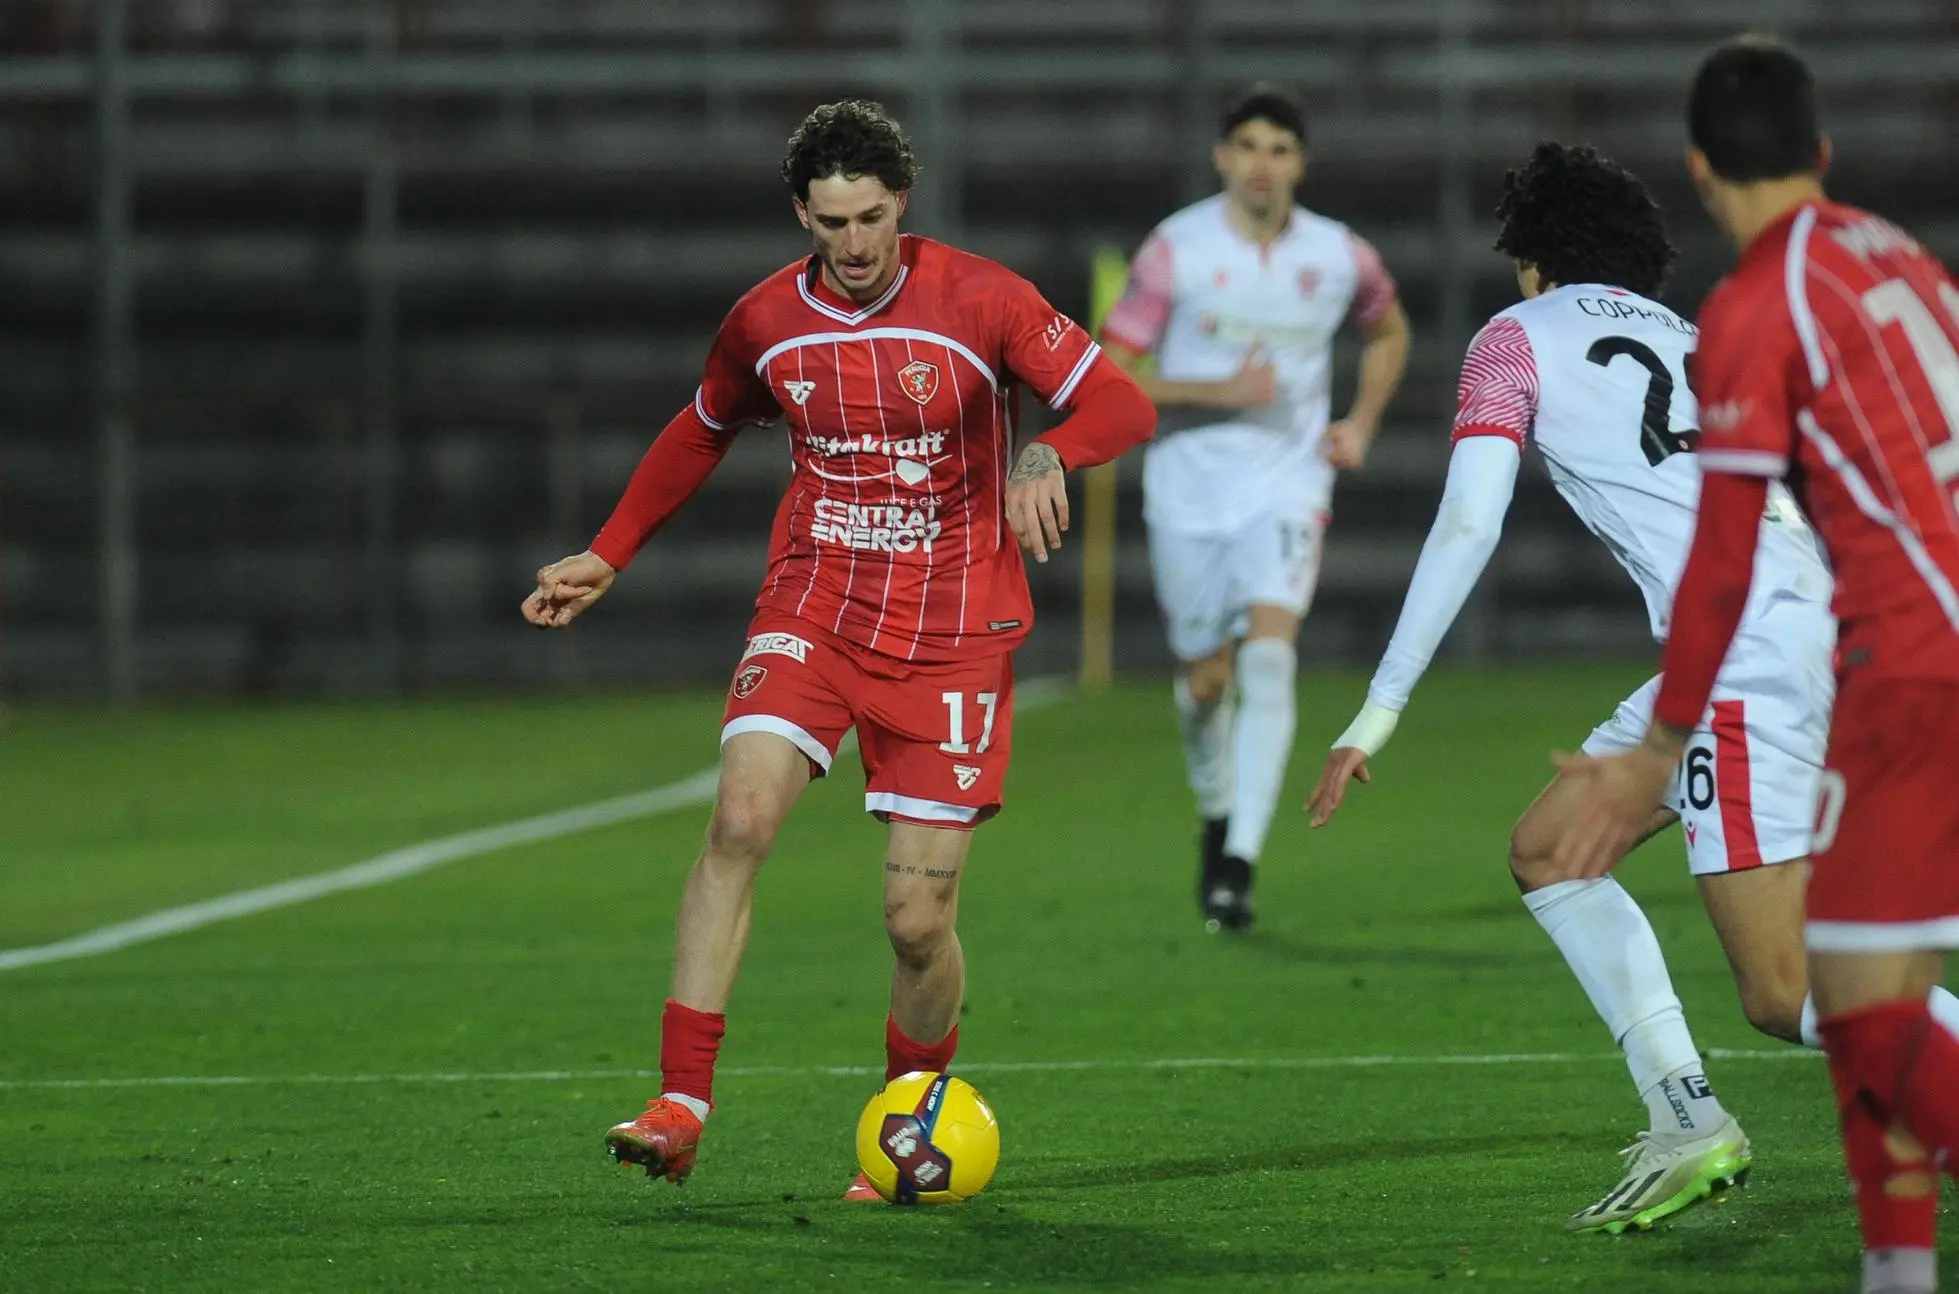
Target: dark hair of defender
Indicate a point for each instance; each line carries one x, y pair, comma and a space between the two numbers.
1752, 111
1582, 219
849, 139
1265, 102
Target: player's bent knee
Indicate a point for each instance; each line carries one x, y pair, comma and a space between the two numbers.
918, 927
1772, 1001
744, 825
1531, 863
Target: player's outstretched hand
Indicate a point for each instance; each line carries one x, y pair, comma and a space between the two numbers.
1620, 793
1253, 386
1343, 763
1347, 443
1037, 500
567, 587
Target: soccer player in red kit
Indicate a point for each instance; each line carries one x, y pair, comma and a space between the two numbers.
1830, 358
895, 593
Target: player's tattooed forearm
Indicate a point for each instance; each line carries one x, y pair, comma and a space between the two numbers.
1036, 461
930, 873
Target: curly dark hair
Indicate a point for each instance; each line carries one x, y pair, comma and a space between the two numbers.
1580, 218
849, 138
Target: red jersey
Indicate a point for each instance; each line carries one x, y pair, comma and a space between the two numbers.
900, 415
1828, 356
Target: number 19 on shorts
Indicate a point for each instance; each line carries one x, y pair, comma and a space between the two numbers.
957, 706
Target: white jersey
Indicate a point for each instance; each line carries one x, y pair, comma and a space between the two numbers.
1597, 378
1203, 297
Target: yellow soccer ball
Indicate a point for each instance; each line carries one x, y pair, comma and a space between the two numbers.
928, 1139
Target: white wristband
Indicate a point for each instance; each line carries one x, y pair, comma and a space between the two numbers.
1370, 729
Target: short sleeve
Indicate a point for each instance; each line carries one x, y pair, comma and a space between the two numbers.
1744, 371
1138, 318
1497, 394
1041, 346
1374, 289
732, 392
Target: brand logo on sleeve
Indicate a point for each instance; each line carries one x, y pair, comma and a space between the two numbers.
919, 380
1057, 329
800, 392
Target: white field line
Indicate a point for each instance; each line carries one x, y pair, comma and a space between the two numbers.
413, 860
861, 1071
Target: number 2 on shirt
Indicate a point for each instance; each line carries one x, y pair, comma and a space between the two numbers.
1656, 435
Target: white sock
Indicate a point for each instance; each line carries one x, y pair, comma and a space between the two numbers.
1266, 667
1206, 730
1610, 947
1944, 1007
694, 1103
1901, 1271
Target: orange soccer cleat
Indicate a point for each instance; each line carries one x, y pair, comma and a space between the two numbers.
663, 1140
862, 1192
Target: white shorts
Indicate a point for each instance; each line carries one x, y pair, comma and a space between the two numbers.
1746, 790
1204, 582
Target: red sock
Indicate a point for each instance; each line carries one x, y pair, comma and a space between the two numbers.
903, 1055
689, 1042
1907, 1220
1907, 1065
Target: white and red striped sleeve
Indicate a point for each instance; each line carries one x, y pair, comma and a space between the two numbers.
1138, 319
1497, 394
1374, 289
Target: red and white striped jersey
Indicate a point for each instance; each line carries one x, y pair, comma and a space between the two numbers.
900, 415
1595, 376
1828, 356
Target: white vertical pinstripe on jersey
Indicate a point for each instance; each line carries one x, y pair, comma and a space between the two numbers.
890, 567
789, 424
932, 488
966, 501
1796, 272
856, 492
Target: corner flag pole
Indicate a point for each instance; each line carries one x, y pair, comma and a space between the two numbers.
1107, 274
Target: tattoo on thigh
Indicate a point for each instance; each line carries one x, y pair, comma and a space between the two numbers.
930, 873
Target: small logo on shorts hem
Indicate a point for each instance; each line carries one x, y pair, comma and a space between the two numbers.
966, 774
998, 626
1692, 830
748, 680
777, 645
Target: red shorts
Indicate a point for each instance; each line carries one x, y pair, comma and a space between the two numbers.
935, 738
1887, 830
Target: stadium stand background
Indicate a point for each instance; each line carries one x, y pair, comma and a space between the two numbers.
324, 322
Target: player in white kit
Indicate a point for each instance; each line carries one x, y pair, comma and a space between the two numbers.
1594, 372
1238, 299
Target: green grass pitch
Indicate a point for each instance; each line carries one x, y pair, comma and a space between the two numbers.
384, 1141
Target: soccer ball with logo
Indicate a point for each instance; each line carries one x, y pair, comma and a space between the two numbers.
928, 1139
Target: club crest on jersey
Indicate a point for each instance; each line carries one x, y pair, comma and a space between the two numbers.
919, 380
748, 680
800, 392
1309, 281
966, 775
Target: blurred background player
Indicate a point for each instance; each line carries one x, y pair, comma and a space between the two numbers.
1237, 300
894, 594
1830, 356
1592, 369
